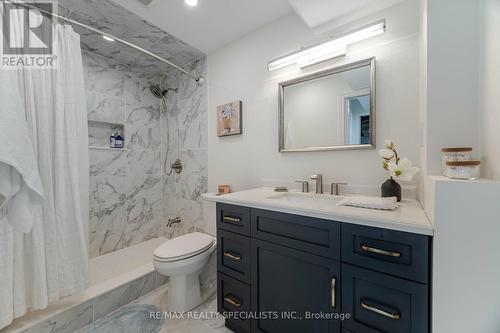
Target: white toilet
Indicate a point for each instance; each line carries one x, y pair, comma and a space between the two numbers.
182, 259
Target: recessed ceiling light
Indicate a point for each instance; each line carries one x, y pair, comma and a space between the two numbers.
191, 3
109, 39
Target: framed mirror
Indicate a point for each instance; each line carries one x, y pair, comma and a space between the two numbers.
329, 110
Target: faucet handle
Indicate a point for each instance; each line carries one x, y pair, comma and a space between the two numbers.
334, 188
317, 176
305, 185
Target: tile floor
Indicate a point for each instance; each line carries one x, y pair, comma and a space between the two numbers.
203, 319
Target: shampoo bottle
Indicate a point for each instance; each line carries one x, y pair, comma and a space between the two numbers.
118, 140
112, 141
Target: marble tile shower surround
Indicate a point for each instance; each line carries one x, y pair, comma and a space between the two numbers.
110, 17
125, 185
185, 131
131, 196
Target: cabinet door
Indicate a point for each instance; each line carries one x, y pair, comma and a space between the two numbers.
292, 284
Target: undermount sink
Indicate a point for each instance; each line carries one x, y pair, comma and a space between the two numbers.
322, 200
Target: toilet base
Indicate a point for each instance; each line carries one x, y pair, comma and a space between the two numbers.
184, 292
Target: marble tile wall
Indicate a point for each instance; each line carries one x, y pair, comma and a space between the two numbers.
132, 197
110, 17
125, 185
185, 137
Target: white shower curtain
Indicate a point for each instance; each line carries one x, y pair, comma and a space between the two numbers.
51, 262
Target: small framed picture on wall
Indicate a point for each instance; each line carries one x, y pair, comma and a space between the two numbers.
229, 120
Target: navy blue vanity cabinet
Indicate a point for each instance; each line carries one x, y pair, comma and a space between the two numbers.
233, 218
396, 253
281, 267
293, 284
315, 236
234, 301
233, 255
382, 303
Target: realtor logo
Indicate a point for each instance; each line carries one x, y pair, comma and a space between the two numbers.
27, 34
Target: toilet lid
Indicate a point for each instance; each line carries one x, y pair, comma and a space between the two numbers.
184, 246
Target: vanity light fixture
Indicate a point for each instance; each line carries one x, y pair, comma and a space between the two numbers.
109, 39
191, 3
328, 50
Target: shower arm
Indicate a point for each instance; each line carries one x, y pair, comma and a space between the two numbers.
119, 40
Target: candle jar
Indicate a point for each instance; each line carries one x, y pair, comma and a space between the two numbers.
455, 155
468, 170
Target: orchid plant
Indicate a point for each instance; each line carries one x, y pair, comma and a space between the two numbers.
399, 168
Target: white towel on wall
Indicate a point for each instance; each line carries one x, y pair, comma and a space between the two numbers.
20, 184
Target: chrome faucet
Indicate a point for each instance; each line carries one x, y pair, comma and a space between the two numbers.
305, 185
319, 182
173, 221
334, 188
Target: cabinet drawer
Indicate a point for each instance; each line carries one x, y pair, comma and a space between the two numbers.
316, 236
233, 218
382, 303
233, 297
397, 253
233, 255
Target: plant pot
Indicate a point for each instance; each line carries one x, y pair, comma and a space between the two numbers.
391, 188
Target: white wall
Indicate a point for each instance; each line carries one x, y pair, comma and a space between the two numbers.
423, 97
466, 256
453, 40
489, 98
238, 71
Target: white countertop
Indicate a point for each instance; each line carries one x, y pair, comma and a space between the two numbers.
408, 217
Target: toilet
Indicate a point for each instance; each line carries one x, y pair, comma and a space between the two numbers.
182, 259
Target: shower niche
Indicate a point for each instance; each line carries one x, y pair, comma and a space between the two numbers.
100, 133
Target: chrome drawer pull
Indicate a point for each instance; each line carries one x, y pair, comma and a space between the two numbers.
334, 292
231, 219
395, 316
233, 256
379, 251
234, 302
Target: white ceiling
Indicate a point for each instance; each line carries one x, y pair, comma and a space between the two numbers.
214, 23
317, 12
325, 15
211, 24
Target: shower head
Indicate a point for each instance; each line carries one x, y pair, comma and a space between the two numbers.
158, 92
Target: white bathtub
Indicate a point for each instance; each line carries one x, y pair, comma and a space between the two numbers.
125, 264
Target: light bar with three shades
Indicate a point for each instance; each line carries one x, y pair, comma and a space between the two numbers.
328, 50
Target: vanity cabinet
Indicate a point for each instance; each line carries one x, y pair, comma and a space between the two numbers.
293, 282
274, 268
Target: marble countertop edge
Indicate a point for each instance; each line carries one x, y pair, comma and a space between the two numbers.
408, 217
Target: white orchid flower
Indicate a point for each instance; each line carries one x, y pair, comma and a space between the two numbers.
403, 170
386, 153
389, 144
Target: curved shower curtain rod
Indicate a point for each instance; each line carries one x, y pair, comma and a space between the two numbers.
119, 40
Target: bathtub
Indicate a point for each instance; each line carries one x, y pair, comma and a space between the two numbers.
122, 265
116, 279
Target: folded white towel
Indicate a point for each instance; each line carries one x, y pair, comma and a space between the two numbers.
20, 183
390, 203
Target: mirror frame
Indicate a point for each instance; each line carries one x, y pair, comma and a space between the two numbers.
281, 92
